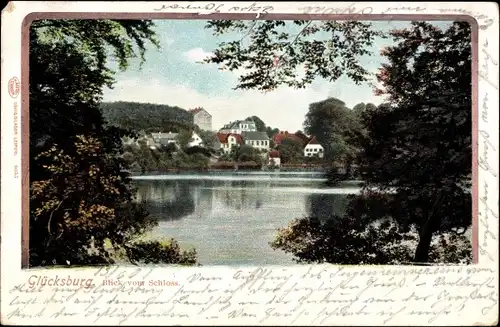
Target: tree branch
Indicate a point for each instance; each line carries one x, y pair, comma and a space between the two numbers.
249, 31
51, 214
456, 230
274, 68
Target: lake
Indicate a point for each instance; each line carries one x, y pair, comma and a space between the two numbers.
230, 217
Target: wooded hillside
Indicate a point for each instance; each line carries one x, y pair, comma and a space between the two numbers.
148, 117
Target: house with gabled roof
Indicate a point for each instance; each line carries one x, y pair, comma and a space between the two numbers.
238, 127
273, 158
314, 148
164, 139
202, 118
229, 141
257, 140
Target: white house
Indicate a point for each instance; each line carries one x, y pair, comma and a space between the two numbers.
274, 158
258, 140
160, 139
229, 141
195, 140
202, 118
238, 127
313, 148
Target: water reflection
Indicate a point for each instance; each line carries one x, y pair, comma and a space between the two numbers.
231, 221
326, 206
173, 200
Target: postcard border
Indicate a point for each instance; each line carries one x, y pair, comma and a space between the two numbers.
24, 110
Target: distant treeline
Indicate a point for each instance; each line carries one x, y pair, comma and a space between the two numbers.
147, 117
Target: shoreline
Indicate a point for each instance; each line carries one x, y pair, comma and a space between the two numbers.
230, 170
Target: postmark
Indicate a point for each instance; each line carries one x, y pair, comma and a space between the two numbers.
14, 87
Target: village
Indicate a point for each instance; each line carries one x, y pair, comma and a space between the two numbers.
234, 135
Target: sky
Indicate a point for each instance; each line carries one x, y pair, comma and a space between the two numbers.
172, 76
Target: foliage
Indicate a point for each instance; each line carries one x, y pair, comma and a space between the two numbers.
291, 151
419, 144
184, 138
274, 55
259, 124
336, 128
85, 201
209, 138
147, 116
198, 149
271, 132
247, 153
417, 153
345, 241
80, 198
362, 107
144, 159
262, 127
68, 71
156, 252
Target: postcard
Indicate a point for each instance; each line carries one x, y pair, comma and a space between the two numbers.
249, 163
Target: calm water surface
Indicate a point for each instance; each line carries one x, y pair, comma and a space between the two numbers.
230, 218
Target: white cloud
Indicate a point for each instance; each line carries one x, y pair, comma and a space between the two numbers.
197, 54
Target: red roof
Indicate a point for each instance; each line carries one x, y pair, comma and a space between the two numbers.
223, 137
274, 154
195, 111
313, 141
303, 137
280, 136
238, 137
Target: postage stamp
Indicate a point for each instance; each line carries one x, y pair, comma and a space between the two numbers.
219, 163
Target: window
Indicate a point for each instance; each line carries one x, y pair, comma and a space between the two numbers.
258, 142
315, 150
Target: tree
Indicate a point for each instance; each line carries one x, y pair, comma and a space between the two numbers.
336, 128
361, 107
147, 116
68, 70
184, 138
247, 153
345, 240
416, 160
208, 138
291, 151
84, 213
259, 124
420, 142
80, 197
271, 131
274, 55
